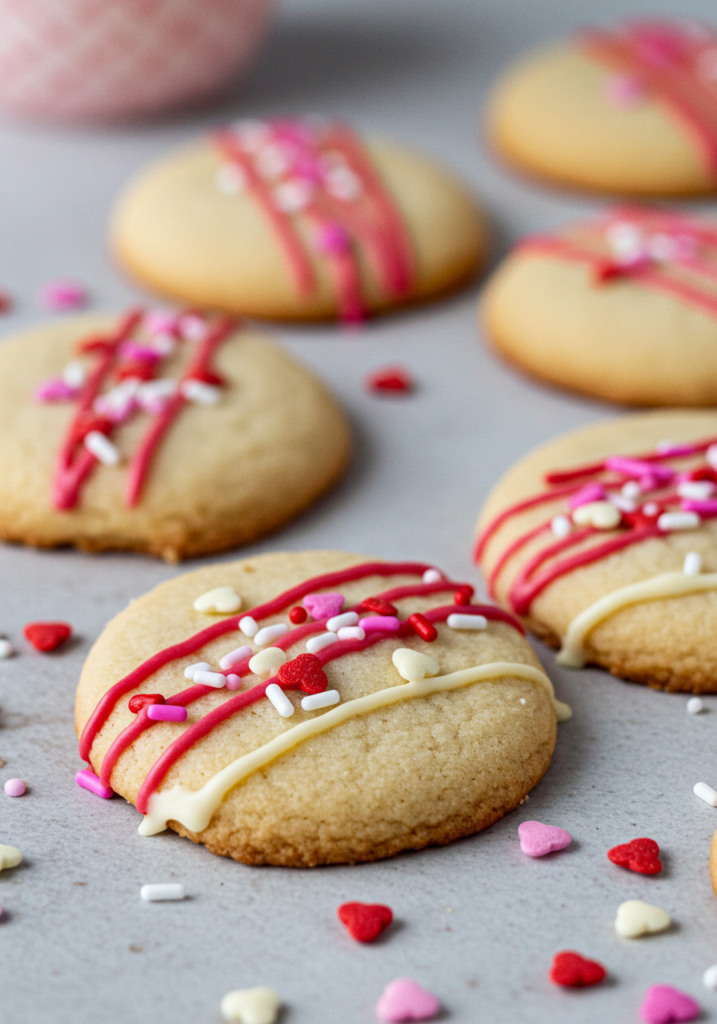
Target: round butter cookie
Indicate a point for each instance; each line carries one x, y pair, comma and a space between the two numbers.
173, 433
352, 709
623, 307
604, 543
632, 110
297, 220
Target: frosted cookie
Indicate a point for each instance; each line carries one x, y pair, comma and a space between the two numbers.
623, 307
176, 434
351, 710
297, 220
631, 110
604, 542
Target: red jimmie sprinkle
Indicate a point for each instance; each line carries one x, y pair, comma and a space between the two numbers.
378, 605
463, 595
143, 700
365, 921
298, 614
573, 971
390, 380
5, 302
208, 377
425, 629
141, 369
98, 423
641, 855
305, 672
94, 345
46, 636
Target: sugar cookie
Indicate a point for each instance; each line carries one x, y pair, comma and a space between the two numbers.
297, 220
639, 598
631, 110
623, 307
176, 434
417, 750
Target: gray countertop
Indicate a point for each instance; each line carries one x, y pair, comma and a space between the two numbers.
478, 922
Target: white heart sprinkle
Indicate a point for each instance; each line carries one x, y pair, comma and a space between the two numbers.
10, 857
221, 600
599, 514
413, 666
267, 662
251, 1005
635, 918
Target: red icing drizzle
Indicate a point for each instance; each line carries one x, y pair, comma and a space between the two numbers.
532, 578
234, 704
339, 195
675, 63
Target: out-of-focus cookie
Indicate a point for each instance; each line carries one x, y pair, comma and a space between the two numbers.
176, 434
623, 307
297, 220
351, 710
630, 110
604, 542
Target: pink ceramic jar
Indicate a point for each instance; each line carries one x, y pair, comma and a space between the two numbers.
106, 59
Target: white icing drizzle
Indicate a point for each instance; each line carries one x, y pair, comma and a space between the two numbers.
667, 584
195, 808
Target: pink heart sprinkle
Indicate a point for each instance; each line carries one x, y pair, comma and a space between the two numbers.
404, 999
664, 1004
323, 606
54, 390
537, 839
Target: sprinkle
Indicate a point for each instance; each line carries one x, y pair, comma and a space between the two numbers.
432, 576
706, 793
393, 380
316, 701
639, 468
412, 665
6, 648
140, 701
280, 701
230, 179
102, 448
376, 623
342, 183
46, 636
200, 393
323, 606
267, 662
220, 600
10, 856
635, 918
695, 706
231, 659
624, 90
404, 999
54, 390
216, 679
698, 490
160, 321
378, 605
586, 496
162, 891
571, 970
317, 643
298, 615
467, 621
332, 238
664, 1004
269, 634
58, 296
5, 302
708, 507
304, 671
192, 327
351, 633
692, 565
88, 780
251, 1005
167, 713
425, 629
14, 787
601, 515
233, 681
631, 489
622, 503
537, 839
641, 855
75, 374
461, 597
711, 456
678, 521
560, 526
347, 619
365, 921
293, 196
248, 626
152, 395
650, 508
200, 666
709, 978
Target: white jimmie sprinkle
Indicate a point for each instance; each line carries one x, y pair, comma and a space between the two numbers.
316, 701
162, 891
317, 643
102, 448
280, 701
706, 793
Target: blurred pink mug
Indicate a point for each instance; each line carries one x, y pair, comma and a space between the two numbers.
106, 59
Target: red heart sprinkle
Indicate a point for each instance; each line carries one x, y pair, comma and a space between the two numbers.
365, 921
392, 379
641, 855
378, 605
303, 672
298, 614
574, 971
5, 302
46, 636
94, 345
143, 700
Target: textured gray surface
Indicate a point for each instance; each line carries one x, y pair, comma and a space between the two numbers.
478, 922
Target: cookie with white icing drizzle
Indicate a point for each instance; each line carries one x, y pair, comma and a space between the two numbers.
604, 543
343, 715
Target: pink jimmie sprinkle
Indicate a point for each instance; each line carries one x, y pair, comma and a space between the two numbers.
88, 780
166, 713
14, 787
58, 296
624, 91
54, 389
705, 508
664, 1004
404, 999
142, 353
332, 239
639, 469
374, 623
586, 494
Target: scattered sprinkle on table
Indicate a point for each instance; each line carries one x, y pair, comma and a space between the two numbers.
5, 302
571, 970
664, 1004
635, 918
695, 706
390, 380
6, 648
706, 793
10, 857
14, 787
161, 891
365, 921
537, 839
63, 295
251, 1005
640, 855
709, 978
88, 780
47, 636
404, 999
